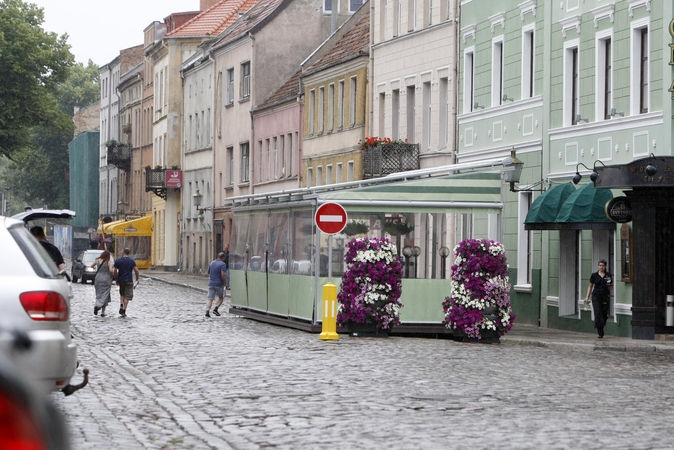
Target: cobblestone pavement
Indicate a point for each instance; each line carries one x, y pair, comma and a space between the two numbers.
168, 378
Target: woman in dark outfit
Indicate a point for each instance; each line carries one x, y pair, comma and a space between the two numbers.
602, 281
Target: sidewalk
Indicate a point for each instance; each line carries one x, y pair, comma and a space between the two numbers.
520, 334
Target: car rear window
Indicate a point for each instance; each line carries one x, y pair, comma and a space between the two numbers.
89, 258
36, 255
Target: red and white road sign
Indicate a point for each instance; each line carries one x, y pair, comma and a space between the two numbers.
330, 218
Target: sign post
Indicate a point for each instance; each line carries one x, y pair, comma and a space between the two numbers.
331, 219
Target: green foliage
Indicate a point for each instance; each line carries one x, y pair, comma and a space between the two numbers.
39, 87
354, 227
34, 65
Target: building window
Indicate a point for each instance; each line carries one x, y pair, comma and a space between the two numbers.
338, 174
604, 77
275, 142
352, 101
382, 115
310, 177
524, 241
321, 109
395, 114
411, 125
267, 146
396, 17
382, 20
528, 63
411, 14
640, 75
340, 105
291, 150
354, 5
349, 171
331, 107
312, 108
282, 157
230, 163
245, 80
443, 93
230, 86
319, 176
328, 174
426, 118
245, 159
259, 161
571, 84
497, 73
327, 6
468, 82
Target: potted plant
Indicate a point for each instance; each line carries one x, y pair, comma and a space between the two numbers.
355, 227
369, 296
479, 305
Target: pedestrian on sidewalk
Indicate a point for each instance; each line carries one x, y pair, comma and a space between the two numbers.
125, 268
217, 272
226, 252
103, 281
601, 282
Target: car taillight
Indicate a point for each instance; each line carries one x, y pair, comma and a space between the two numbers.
19, 429
45, 305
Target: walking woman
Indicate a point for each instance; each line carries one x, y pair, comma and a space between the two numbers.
103, 281
600, 284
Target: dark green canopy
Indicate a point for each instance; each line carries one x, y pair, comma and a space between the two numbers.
546, 207
564, 207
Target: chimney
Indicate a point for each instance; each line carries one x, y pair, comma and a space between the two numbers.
205, 4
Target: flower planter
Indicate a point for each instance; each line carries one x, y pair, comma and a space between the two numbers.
487, 337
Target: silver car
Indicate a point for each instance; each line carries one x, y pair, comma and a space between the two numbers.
35, 298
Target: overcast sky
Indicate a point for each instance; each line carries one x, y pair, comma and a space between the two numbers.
98, 30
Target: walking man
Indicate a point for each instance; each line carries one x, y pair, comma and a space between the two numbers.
53, 251
125, 267
217, 272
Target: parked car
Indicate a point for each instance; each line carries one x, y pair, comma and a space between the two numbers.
82, 269
28, 419
35, 298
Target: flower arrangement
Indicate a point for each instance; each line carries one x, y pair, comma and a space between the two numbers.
480, 298
355, 227
373, 141
371, 285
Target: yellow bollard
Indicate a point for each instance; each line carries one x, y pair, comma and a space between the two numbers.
329, 313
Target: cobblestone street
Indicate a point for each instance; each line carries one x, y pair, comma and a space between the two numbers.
166, 377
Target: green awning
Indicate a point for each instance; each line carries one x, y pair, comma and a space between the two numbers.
583, 209
586, 205
546, 207
477, 192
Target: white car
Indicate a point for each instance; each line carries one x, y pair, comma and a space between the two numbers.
35, 299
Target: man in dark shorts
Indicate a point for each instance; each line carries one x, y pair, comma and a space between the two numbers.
217, 274
125, 267
54, 252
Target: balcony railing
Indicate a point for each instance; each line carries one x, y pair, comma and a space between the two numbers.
119, 155
155, 181
384, 159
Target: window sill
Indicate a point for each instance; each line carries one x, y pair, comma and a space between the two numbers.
230, 104
524, 288
244, 184
244, 100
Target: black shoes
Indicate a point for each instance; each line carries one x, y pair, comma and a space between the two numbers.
215, 311
96, 308
122, 312
209, 314
121, 309
600, 331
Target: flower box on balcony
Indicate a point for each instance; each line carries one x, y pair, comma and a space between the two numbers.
385, 158
119, 154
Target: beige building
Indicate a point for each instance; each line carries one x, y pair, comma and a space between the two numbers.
335, 86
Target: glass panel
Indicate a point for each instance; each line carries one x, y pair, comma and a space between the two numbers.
303, 249
257, 243
238, 241
279, 247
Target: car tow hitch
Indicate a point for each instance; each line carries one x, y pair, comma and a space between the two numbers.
70, 389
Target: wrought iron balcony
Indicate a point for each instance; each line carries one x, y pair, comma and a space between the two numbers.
384, 159
155, 181
119, 155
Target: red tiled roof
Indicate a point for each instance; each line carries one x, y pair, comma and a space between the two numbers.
214, 20
354, 43
288, 91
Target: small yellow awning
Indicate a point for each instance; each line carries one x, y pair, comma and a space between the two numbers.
135, 227
102, 226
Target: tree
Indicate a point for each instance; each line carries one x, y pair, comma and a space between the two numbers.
34, 64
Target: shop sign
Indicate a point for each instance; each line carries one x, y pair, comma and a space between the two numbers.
619, 210
174, 179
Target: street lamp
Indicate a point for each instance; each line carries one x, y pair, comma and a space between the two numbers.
416, 251
512, 170
444, 253
407, 251
196, 201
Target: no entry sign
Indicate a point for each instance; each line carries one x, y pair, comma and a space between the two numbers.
330, 218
